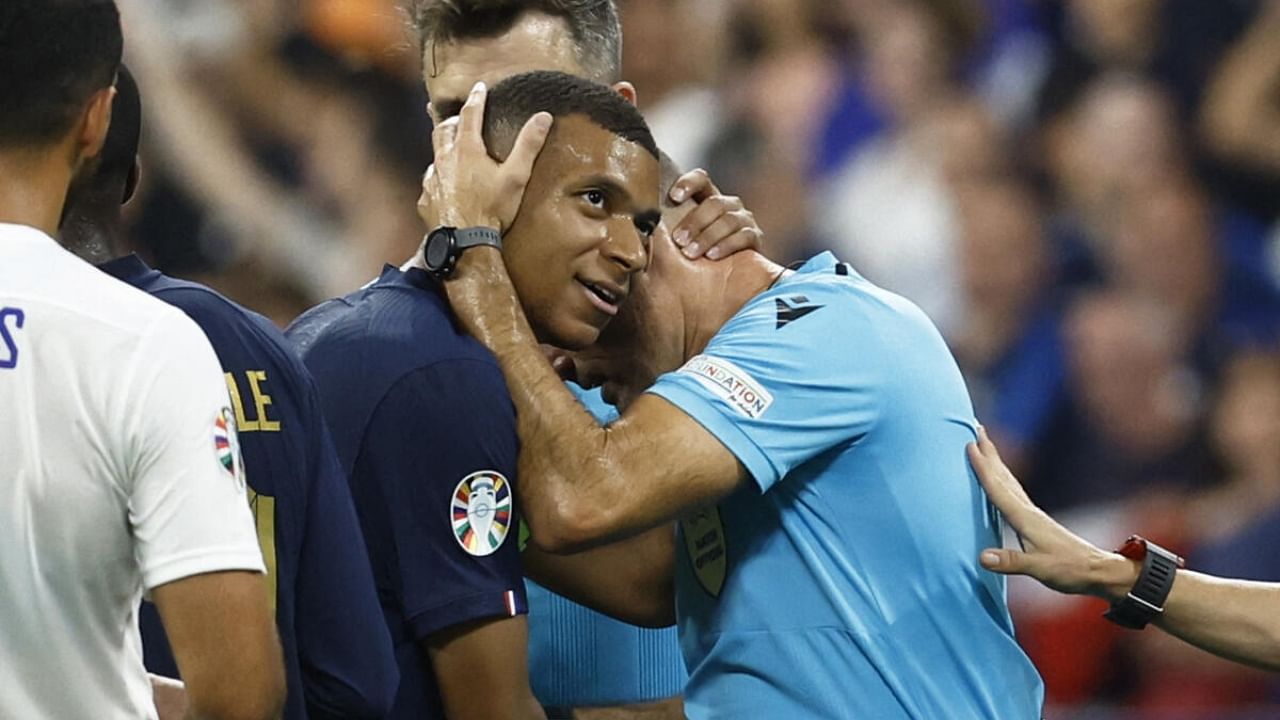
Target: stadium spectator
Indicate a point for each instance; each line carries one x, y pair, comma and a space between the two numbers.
793, 383
889, 209
122, 463
1010, 344
338, 658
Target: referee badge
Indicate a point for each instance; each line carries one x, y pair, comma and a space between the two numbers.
481, 512
226, 445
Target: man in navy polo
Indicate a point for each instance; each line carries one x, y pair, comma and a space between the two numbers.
337, 651
421, 415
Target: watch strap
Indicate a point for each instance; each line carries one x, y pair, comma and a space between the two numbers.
1145, 601
477, 236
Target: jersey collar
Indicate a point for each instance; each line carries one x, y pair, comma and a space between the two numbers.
129, 268
413, 277
12, 232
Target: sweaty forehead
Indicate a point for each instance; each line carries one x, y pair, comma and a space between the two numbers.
536, 42
579, 149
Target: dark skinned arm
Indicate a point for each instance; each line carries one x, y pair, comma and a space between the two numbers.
482, 671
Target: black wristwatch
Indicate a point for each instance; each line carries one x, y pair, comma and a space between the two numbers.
445, 245
1146, 600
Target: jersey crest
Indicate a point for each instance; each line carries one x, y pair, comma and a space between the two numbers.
481, 512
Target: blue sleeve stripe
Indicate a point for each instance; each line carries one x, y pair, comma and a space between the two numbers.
686, 394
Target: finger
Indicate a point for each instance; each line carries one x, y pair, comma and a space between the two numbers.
1006, 561
695, 184
748, 238
529, 143
565, 368
701, 217
997, 488
442, 138
471, 118
717, 231
987, 447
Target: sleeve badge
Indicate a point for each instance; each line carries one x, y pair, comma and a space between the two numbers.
226, 446
481, 512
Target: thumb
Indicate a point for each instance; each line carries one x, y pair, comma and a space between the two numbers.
1005, 561
528, 145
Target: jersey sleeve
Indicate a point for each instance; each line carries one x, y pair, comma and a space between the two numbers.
186, 485
778, 394
443, 445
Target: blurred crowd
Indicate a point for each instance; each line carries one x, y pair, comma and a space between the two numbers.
1083, 195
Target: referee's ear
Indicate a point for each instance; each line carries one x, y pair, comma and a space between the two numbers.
627, 91
131, 182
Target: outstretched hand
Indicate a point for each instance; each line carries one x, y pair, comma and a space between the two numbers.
466, 187
1050, 553
719, 226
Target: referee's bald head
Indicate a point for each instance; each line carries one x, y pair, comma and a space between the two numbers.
55, 55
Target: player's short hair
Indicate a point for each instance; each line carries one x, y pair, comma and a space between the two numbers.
513, 101
597, 34
54, 55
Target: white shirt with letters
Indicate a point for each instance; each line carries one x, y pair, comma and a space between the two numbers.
119, 472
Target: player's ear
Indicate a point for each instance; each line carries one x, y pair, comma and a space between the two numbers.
627, 91
131, 182
91, 133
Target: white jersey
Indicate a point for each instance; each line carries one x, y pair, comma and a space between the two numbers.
119, 472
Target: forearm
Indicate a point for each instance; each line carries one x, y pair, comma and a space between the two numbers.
1235, 619
568, 477
640, 590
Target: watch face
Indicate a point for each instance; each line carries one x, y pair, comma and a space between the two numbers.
437, 251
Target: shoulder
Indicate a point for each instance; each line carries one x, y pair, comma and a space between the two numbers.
385, 332
229, 325
828, 311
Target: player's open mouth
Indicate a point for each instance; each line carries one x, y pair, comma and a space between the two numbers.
606, 299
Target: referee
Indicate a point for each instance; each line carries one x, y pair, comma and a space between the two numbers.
121, 471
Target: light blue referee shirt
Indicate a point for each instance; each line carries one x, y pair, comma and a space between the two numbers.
581, 658
844, 582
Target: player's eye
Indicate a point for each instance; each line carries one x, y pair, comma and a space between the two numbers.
595, 198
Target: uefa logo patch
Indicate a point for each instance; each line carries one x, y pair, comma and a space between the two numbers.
227, 446
481, 512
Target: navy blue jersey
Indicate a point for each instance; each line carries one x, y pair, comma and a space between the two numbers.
338, 655
426, 430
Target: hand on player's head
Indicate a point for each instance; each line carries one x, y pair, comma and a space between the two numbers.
718, 226
466, 187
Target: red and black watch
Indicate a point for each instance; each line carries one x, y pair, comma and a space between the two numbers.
1145, 601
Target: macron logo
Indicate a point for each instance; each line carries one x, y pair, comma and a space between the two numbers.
731, 384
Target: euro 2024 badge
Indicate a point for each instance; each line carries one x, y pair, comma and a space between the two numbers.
226, 445
482, 512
